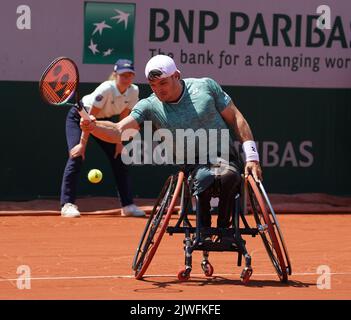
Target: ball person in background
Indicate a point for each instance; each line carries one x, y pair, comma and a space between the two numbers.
116, 96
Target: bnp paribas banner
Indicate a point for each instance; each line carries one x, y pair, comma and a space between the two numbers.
250, 43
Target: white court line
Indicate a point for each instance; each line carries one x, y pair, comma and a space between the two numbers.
165, 275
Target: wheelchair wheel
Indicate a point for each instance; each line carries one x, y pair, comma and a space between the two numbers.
207, 268
269, 229
245, 275
184, 274
157, 224
277, 227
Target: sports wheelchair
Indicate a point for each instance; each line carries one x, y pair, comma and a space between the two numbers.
252, 199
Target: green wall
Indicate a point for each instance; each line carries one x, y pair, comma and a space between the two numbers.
33, 148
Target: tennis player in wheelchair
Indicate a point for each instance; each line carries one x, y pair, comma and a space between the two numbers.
197, 103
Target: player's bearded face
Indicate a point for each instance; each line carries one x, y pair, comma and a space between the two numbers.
164, 88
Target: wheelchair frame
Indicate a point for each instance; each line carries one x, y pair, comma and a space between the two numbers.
228, 239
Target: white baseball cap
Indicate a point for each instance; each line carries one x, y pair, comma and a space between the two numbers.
162, 63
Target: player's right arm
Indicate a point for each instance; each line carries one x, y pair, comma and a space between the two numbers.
129, 126
109, 131
79, 149
96, 101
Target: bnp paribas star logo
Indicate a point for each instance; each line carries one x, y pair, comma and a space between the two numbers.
108, 32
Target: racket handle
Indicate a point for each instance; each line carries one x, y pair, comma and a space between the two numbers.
82, 112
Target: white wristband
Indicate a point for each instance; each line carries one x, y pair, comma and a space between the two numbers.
250, 151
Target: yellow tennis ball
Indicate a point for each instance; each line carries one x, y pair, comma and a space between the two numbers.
95, 175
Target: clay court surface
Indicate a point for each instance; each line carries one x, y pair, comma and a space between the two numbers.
90, 258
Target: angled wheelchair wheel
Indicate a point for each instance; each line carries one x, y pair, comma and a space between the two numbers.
157, 224
277, 228
269, 229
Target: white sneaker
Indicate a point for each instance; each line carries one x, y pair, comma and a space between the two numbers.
132, 211
70, 210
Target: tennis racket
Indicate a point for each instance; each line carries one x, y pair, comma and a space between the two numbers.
59, 84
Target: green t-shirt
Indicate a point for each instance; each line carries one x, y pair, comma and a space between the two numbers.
198, 108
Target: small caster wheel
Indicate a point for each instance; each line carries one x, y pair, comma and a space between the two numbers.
184, 274
245, 275
207, 268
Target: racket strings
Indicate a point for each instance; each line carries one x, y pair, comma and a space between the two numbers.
59, 82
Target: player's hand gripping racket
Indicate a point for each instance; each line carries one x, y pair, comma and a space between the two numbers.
59, 83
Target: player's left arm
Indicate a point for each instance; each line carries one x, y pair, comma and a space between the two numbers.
234, 118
